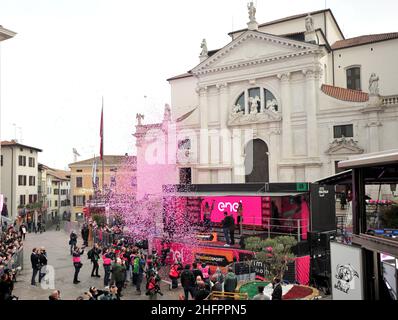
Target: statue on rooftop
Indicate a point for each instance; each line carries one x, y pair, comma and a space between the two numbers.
252, 11
204, 52
309, 23
374, 85
139, 118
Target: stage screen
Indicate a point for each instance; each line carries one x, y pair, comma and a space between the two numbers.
251, 208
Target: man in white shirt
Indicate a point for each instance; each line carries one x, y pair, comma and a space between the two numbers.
261, 295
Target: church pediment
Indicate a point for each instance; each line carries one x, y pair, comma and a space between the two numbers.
344, 146
252, 48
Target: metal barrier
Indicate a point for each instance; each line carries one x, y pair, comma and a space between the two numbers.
15, 262
104, 238
218, 295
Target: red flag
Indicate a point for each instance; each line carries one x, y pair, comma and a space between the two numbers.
102, 132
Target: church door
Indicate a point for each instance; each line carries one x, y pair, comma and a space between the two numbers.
256, 162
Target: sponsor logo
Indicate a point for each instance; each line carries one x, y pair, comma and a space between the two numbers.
233, 207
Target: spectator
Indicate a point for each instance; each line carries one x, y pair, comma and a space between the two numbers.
55, 295
85, 234
261, 295
107, 262
35, 261
216, 285
174, 274
196, 272
6, 287
231, 281
202, 292
72, 241
118, 270
277, 286
205, 270
43, 263
77, 263
138, 271
94, 256
188, 281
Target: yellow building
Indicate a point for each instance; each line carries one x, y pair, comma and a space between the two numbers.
82, 186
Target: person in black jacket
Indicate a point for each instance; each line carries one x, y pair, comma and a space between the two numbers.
277, 292
201, 292
72, 241
34, 259
188, 282
85, 233
196, 272
43, 263
6, 287
94, 256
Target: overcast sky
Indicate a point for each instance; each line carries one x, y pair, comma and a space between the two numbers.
69, 53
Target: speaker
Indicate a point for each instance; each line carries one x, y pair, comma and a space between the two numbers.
320, 265
320, 241
301, 249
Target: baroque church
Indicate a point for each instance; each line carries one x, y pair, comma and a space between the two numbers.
283, 101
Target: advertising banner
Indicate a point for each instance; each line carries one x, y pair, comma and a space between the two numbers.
347, 272
251, 208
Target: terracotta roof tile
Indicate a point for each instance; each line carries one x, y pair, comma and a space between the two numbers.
14, 143
367, 39
345, 94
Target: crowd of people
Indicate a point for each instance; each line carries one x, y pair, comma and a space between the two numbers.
122, 262
10, 246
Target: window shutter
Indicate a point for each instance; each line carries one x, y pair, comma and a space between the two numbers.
74, 201
84, 200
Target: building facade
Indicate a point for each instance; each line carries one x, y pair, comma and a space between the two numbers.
19, 181
283, 101
54, 192
86, 181
5, 34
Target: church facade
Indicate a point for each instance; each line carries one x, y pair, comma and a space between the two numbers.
283, 101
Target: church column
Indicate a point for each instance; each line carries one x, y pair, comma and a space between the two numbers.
311, 75
246, 101
223, 104
204, 137
373, 125
286, 119
263, 102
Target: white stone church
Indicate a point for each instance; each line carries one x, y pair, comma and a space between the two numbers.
309, 96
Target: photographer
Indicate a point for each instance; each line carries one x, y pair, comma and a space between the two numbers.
109, 294
77, 263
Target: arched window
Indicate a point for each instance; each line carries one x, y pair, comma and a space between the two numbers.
258, 99
354, 78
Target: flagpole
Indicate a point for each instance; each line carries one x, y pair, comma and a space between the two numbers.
102, 144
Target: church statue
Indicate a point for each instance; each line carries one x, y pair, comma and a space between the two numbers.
204, 52
167, 113
253, 105
309, 23
252, 11
271, 105
374, 85
237, 109
139, 117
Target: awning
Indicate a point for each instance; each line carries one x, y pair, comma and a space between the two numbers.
341, 178
234, 194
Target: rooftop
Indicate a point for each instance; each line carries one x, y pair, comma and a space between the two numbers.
108, 161
362, 40
297, 16
345, 94
14, 143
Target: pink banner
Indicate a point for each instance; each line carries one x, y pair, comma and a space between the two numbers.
251, 208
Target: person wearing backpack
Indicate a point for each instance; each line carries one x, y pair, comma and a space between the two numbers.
188, 282
138, 271
94, 256
231, 281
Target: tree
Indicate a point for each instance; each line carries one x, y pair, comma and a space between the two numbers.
274, 253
